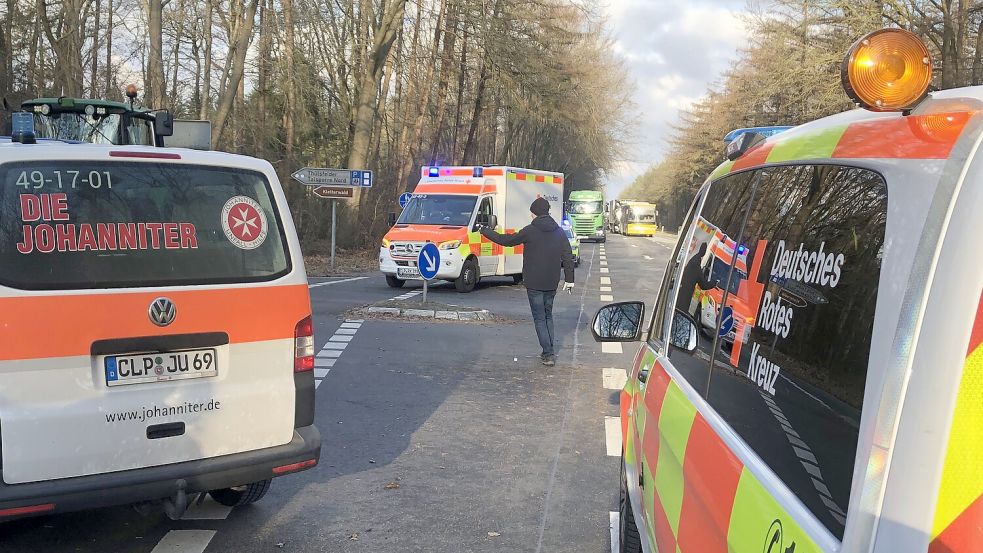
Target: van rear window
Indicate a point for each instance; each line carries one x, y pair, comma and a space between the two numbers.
76, 225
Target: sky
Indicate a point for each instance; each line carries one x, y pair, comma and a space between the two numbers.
673, 50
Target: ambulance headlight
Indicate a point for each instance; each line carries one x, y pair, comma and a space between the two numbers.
450, 245
385, 243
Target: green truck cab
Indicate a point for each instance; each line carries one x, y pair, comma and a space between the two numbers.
98, 121
585, 210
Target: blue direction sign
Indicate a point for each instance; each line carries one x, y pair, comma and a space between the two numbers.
404, 198
726, 321
428, 261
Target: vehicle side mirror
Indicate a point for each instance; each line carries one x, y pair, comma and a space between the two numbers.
619, 322
392, 219
683, 334
493, 221
164, 123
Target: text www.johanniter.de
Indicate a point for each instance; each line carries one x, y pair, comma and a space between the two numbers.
155, 411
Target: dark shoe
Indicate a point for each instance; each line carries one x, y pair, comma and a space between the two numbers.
543, 357
550, 361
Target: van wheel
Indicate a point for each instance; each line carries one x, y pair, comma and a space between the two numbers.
242, 495
627, 531
394, 282
469, 277
517, 278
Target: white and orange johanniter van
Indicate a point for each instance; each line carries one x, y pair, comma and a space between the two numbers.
847, 415
445, 209
156, 339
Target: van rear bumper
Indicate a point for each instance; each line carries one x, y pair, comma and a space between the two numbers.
154, 483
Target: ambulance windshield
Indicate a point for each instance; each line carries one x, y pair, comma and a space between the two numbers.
432, 209
718, 272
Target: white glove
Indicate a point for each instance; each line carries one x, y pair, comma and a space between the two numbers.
568, 287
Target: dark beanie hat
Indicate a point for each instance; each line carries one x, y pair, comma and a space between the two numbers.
539, 207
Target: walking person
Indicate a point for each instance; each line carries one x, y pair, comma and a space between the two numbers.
545, 250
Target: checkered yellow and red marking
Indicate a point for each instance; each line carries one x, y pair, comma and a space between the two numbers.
698, 496
929, 136
478, 245
535, 177
958, 523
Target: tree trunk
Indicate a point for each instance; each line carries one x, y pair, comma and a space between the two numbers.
290, 73
978, 56
94, 73
206, 81
110, 15
155, 57
450, 36
231, 81
365, 108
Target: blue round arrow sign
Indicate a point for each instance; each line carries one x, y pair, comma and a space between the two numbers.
428, 261
404, 198
726, 321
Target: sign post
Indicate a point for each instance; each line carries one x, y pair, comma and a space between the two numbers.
428, 262
333, 184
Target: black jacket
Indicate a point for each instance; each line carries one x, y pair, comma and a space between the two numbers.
546, 249
691, 278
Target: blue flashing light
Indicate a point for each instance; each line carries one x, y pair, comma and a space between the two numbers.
741, 250
763, 131
478, 172
434, 171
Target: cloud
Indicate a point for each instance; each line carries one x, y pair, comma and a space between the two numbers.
674, 51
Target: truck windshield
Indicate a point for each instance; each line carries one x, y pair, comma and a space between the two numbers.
80, 127
430, 209
718, 273
641, 214
585, 207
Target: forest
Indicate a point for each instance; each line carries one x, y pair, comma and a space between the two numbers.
789, 74
384, 85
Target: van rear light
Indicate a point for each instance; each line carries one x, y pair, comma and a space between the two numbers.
293, 467
304, 345
29, 510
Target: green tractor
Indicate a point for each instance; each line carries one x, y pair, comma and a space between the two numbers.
109, 122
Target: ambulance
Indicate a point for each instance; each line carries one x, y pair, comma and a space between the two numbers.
446, 208
156, 340
850, 417
717, 266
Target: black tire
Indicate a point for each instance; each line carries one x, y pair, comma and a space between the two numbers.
469, 277
394, 282
241, 495
628, 537
517, 278
603, 240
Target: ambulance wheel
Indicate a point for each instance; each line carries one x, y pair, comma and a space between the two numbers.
517, 278
627, 531
394, 282
242, 495
469, 277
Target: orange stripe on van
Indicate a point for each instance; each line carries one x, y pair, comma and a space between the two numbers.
433, 188
912, 137
65, 325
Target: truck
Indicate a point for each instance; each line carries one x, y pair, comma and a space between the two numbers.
585, 211
638, 219
447, 206
111, 122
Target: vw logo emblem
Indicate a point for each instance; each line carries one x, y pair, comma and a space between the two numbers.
162, 312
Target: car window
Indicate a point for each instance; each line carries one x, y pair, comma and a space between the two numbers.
791, 377
89, 224
711, 249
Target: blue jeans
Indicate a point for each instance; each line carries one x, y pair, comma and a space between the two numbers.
541, 304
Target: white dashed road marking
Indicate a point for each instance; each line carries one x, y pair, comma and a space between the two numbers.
604, 270
614, 379
184, 541
614, 523
607, 297
605, 280
808, 460
330, 282
612, 435
208, 510
333, 348
407, 295
611, 347
648, 257
605, 288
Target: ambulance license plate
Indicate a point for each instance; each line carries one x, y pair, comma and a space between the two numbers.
157, 367
407, 272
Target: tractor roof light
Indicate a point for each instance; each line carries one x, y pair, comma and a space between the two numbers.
887, 70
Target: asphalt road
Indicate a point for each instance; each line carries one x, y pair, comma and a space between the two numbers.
436, 436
